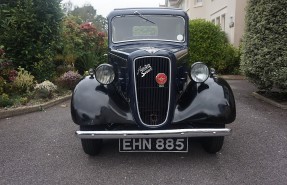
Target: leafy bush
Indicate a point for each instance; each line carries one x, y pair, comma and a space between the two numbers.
2, 85
264, 54
29, 29
69, 80
44, 70
18, 100
231, 62
46, 85
43, 94
24, 82
5, 101
7, 71
61, 69
45, 89
210, 45
82, 46
23, 100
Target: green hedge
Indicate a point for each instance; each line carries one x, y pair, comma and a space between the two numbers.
210, 45
264, 52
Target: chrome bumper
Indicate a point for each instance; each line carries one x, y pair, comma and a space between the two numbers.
176, 133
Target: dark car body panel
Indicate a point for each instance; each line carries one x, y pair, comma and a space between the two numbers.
94, 104
210, 102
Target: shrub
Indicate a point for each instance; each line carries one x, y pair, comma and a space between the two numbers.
7, 70
44, 70
2, 85
46, 85
231, 62
24, 82
45, 89
43, 94
69, 80
82, 46
5, 101
210, 45
18, 100
61, 69
23, 100
29, 29
264, 55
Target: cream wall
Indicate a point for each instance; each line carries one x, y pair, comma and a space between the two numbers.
223, 11
239, 20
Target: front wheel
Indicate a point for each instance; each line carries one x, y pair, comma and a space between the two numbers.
213, 144
91, 147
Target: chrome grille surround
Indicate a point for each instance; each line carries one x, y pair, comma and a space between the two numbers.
142, 111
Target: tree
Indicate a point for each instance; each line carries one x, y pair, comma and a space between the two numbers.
29, 28
101, 23
88, 14
264, 54
67, 7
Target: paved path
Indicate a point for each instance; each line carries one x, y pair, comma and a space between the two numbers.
40, 148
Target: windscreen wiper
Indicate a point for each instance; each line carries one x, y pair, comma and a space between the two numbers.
141, 16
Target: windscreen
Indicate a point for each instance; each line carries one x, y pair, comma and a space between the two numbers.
148, 27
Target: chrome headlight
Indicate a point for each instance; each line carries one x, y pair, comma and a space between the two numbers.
199, 72
105, 74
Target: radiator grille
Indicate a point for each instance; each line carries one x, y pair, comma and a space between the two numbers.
152, 99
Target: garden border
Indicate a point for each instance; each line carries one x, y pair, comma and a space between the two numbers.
34, 108
29, 109
267, 100
233, 77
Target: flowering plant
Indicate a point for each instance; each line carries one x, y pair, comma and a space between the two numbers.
71, 75
49, 86
69, 79
24, 81
45, 89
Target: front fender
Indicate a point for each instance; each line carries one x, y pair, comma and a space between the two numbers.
210, 102
93, 104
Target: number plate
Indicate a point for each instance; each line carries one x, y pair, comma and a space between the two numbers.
154, 145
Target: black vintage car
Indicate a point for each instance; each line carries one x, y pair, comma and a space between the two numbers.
147, 95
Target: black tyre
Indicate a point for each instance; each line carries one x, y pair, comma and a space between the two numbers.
213, 144
91, 147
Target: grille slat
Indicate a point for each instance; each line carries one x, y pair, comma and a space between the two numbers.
152, 99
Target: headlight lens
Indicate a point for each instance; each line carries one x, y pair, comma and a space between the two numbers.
199, 72
105, 74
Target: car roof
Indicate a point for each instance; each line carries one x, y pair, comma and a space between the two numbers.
149, 10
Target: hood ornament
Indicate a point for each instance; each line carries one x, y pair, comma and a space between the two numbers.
151, 50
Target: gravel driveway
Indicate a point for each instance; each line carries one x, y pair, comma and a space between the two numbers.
41, 148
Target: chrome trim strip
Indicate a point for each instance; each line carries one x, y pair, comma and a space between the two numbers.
177, 133
152, 126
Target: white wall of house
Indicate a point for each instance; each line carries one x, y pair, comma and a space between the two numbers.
228, 14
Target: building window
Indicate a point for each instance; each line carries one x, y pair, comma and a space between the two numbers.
213, 21
198, 2
223, 22
218, 21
